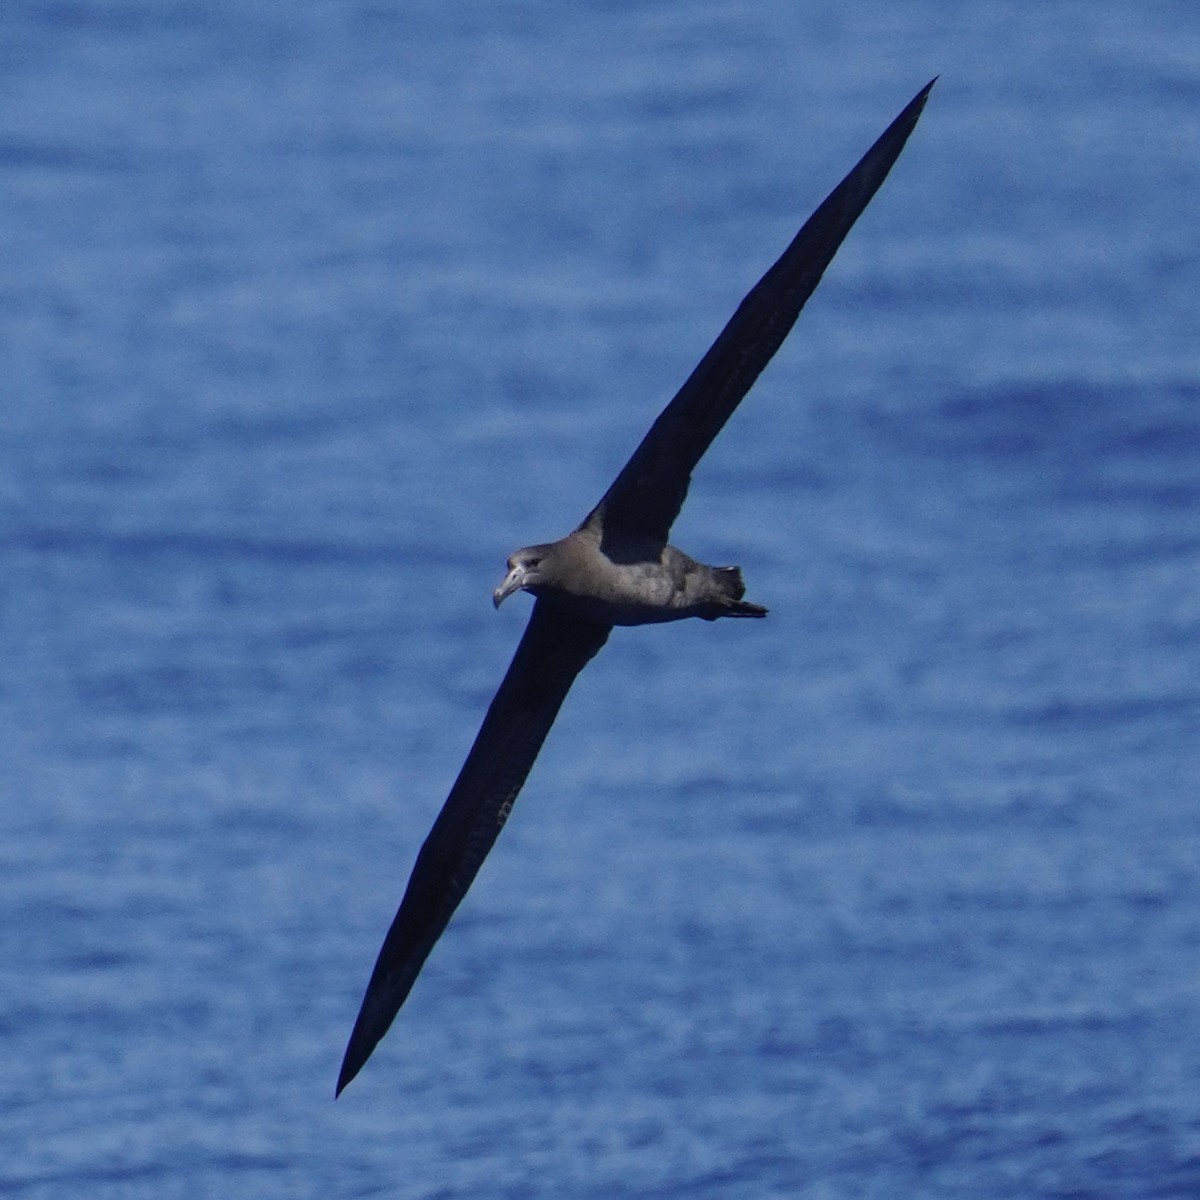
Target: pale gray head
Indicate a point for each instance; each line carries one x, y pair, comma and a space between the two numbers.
527, 570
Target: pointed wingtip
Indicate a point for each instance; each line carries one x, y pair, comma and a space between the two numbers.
914, 108
346, 1074
875, 165
911, 112
354, 1059
344, 1078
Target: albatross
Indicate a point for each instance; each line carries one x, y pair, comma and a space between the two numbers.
616, 568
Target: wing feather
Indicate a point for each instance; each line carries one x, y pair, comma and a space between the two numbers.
645, 498
552, 652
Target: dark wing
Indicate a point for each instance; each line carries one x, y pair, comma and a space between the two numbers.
554, 649
645, 498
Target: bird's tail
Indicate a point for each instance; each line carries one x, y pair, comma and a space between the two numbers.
729, 582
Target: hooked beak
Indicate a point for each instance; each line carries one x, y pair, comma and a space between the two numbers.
514, 581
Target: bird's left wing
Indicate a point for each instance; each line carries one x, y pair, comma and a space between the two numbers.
645, 498
554, 649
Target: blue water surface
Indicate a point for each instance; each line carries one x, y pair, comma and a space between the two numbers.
312, 312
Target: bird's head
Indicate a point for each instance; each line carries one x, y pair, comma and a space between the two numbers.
526, 572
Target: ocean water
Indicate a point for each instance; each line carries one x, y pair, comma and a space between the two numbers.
311, 313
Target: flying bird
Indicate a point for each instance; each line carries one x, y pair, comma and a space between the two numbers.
616, 568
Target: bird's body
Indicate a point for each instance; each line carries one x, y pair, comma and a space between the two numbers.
616, 568
633, 582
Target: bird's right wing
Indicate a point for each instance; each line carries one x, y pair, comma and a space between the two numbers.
553, 650
645, 498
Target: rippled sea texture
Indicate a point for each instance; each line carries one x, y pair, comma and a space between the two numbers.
311, 313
